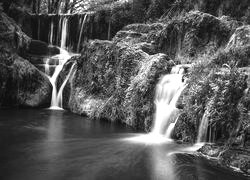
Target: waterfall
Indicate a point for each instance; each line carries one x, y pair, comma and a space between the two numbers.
62, 59
60, 93
81, 31
167, 94
64, 33
51, 32
202, 134
168, 91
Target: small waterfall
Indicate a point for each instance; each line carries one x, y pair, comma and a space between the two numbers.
231, 42
47, 70
62, 59
51, 32
168, 92
64, 33
60, 93
81, 31
202, 134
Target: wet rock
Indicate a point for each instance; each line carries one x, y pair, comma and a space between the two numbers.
37, 47
53, 50
228, 157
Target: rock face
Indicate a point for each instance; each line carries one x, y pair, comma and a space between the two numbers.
115, 81
193, 34
21, 83
12, 36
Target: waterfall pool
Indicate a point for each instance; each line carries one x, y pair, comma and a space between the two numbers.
58, 145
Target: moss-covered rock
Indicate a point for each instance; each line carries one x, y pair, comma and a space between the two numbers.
11, 35
115, 81
21, 83
193, 34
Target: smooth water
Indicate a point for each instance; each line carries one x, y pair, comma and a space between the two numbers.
58, 145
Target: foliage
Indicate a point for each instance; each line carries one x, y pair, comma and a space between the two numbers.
217, 91
238, 56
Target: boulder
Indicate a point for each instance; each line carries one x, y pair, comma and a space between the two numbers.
22, 84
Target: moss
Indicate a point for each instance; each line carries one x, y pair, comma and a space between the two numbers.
193, 34
233, 57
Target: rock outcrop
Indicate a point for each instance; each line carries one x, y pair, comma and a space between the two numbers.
21, 83
115, 81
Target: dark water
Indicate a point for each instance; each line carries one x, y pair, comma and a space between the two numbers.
58, 145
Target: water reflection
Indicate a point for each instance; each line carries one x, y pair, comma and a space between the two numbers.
162, 164
57, 145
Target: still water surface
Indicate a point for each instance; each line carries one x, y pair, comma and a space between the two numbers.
58, 145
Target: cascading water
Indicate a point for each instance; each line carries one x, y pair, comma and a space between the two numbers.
167, 94
168, 91
60, 92
81, 31
202, 134
62, 58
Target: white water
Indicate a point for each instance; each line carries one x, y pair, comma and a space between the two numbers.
64, 33
80, 35
168, 91
167, 94
202, 134
51, 32
60, 93
63, 57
